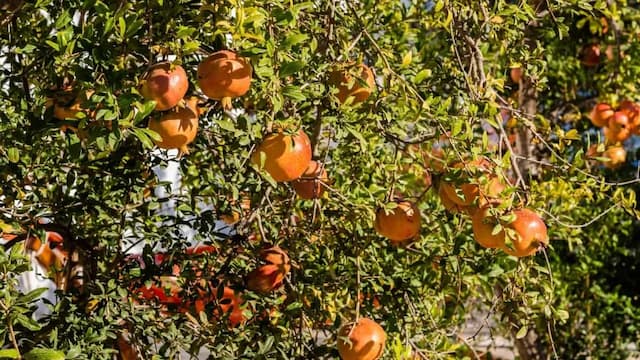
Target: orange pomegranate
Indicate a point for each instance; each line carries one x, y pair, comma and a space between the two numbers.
601, 114
127, 351
483, 223
366, 340
435, 159
516, 74
619, 128
310, 184
286, 157
617, 156
230, 303
234, 216
486, 193
632, 110
165, 83
68, 104
224, 75
448, 204
269, 277
359, 87
530, 233
399, 224
177, 128
50, 253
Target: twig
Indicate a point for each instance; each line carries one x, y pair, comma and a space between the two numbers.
475, 354
12, 334
596, 218
358, 288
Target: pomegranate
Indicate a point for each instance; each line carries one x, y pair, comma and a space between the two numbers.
269, 277
165, 83
530, 233
483, 223
516, 74
601, 114
366, 340
617, 157
619, 128
177, 128
286, 157
223, 76
400, 224
448, 204
359, 88
310, 184
68, 104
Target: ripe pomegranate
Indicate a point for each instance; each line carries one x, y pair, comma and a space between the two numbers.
127, 351
286, 157
223, 76
619, 128
269, 277
448, 204
617, 156
486, 194
234, 216
601, 114
310, 184
435, 159
274, 255
531, 232
265, 279
230, 303
591, 55
516, 74
359, 88
177, 128
69, 103
366, 340
483, 223
50, 254
165, 83
632, 110
164, 289
400, 224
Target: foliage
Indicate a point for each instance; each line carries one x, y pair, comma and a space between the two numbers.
442, 69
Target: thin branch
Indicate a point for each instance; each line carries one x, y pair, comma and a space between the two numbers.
572, 226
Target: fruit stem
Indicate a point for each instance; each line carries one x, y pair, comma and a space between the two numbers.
226, 103
183, 150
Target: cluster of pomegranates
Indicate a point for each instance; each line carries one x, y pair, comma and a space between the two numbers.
619, 124
478, 192
288, 156
172, 293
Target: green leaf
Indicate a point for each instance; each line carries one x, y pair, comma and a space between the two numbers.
423, 74
290, 68
28, 322
293, 92
13, 155
144, 111
9, 354
53, 44
522, 332
294, 39
44, 354
31, 296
